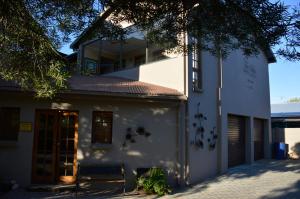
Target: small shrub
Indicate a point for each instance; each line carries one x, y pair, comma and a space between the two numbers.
154, 181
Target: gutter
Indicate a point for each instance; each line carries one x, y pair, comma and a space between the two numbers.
186, 113
219, 110
99, 94
126, 95
186, 144
177, 163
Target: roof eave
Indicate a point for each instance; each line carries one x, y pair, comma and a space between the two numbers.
270, 56
103, 94
127, 95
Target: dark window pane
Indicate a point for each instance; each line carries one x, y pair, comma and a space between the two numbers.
102, 127
71, 121
10, 122
197, 68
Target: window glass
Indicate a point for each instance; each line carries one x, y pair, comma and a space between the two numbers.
90, 65
102, 127
196, 67
10, 123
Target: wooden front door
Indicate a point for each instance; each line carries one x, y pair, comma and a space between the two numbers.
44, 150
67, 146
55, 146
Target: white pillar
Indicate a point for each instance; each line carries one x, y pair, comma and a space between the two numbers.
80, 64
147, 53
121, 55
98, 70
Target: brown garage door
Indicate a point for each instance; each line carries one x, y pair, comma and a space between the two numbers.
258, 139
236, 140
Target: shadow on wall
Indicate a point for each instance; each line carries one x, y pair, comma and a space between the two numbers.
156, 150
295, 151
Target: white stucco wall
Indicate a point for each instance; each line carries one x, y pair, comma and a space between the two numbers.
16, 158
158, 118
202, 161
245, 92
168, 73
292, 138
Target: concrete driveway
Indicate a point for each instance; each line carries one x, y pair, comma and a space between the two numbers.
264, 179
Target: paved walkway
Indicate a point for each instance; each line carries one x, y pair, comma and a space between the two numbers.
262, 180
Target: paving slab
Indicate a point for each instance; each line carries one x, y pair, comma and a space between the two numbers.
266, 179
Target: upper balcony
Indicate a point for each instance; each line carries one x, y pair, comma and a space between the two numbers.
107, 56
133, 59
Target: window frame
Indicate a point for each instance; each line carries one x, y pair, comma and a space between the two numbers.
90, 65
197, 83
9, 127
94, 141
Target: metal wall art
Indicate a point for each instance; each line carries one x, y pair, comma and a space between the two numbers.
131, 134
199, 137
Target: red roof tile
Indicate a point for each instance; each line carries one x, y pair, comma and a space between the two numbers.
119, 85
108, 85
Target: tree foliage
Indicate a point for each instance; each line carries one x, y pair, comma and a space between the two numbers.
253, 24
31, 31
294, 100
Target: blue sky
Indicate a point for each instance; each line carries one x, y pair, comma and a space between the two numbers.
284, 80
284, 75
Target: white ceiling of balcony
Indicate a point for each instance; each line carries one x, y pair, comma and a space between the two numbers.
113, 46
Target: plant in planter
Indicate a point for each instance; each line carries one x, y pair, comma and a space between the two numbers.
154, 182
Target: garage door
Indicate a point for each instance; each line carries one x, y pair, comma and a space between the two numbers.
258, 139
236, 140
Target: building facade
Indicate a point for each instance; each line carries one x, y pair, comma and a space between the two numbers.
286, 126
129, 102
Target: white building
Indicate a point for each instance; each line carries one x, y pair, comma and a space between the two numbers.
286, 126
135, 104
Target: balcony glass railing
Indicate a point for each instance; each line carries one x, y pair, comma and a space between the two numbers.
101, 57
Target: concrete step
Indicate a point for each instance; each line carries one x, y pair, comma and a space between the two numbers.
51, 187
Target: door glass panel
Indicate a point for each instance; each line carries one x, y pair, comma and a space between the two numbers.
44, 155
41, 133
67, 145
55, 147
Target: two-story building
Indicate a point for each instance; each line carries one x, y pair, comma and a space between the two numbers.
131, 102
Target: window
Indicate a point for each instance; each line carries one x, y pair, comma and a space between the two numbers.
10, 123
197, 67
102, 127
139, 60
90, 65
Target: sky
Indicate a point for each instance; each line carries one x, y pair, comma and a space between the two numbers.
284, 75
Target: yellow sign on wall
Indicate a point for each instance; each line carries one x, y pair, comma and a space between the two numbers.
26, 126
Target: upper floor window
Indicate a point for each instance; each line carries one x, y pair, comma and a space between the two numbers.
107, 56
10, 123
90, 65
102, 127
196, 67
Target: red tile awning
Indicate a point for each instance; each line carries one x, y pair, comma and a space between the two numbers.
101, 85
